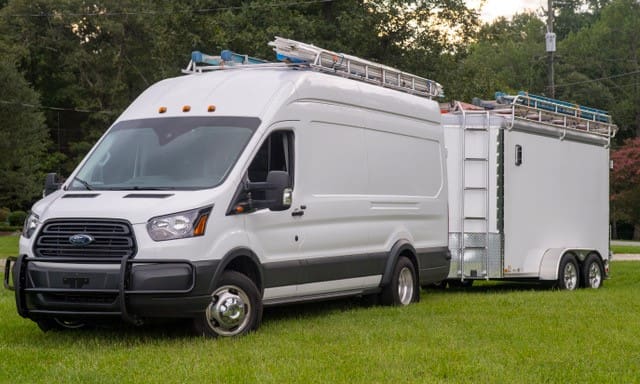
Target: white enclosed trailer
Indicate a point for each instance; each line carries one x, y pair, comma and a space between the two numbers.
528, 192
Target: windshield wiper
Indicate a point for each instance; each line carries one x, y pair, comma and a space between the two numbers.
84, 183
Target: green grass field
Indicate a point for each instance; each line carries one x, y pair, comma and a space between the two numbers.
491, 333
8, 246
622, 249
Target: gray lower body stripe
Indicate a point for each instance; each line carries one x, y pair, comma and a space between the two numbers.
307, 271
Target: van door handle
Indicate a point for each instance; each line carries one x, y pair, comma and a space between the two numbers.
299, 211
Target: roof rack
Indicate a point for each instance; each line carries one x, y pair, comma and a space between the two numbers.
293, 53
560, 113
353, 67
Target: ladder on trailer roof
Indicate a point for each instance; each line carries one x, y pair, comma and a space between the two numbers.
353, 67
541, 109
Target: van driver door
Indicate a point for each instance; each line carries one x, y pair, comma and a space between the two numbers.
274, 235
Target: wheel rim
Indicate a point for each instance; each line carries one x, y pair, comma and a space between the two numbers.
68, 324
405, 286
595, 275
570, 276
229, 311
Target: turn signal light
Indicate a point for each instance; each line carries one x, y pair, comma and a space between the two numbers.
201, 225
186, 108
211, 108
162, 109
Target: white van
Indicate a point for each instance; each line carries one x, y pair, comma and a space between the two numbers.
219, 192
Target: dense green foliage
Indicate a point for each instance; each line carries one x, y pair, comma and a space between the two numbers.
23, 139
492, 333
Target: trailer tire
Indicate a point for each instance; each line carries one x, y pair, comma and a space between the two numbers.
592, 272
235, 308
568, 273
403, 288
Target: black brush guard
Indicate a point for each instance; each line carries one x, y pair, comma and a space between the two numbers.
20, 267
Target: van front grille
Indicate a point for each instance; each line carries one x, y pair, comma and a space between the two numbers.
103, 239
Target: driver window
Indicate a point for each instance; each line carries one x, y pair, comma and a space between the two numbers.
275, 154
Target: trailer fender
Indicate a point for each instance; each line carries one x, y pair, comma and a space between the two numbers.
550, 263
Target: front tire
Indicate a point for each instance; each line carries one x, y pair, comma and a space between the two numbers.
403, 288
235, 308
592, 272
568, 273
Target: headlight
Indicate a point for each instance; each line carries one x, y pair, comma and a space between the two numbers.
179, 225
30, 225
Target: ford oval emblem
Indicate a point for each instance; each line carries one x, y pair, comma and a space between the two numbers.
81, 239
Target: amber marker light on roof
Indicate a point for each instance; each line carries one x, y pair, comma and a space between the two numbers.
162, 109
211, 108
186, 108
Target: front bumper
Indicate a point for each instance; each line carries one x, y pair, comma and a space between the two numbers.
76, 287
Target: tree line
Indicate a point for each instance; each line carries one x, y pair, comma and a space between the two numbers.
68, 68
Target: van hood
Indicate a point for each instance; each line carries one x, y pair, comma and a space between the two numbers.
137, 207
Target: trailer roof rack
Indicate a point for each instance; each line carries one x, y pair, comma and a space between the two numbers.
559, 113
291, 53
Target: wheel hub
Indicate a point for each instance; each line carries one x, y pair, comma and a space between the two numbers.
594, 276
228, 310
405, 286
570, 277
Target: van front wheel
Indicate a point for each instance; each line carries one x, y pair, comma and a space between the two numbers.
402, 290
235, 308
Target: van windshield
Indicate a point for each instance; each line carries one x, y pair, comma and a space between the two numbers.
166, 153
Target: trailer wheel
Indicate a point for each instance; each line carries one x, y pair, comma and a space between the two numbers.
592, 272
403, 288
568, 274
235, 308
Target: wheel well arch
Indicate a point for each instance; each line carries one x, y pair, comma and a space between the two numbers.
241, 260
551, 259
400, 248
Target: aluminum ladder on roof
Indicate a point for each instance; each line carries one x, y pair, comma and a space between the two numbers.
353, 67
475, 188
560, 114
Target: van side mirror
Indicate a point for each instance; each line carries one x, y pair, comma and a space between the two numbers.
51, 184
277, 192
280, 191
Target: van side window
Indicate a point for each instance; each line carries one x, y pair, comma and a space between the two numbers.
275, 154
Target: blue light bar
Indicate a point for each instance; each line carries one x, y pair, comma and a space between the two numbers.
290, 59
226, 58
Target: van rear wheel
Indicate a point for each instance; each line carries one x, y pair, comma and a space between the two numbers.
403, 288
235, 308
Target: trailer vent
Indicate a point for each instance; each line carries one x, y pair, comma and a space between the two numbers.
102, 239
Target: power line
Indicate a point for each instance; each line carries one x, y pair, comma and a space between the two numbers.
59, 109
151, 12
600, 79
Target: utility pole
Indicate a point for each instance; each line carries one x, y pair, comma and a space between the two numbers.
551, 47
